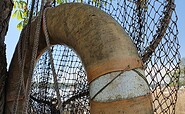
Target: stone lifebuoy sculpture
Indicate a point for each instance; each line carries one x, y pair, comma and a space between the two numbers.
106, 52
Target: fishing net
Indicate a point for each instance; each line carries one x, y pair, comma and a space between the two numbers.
151, 24
72, 81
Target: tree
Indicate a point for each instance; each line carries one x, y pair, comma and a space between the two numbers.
178, 74
182, 72
5, 13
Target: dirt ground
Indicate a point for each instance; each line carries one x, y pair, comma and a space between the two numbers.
180, 106
163, 102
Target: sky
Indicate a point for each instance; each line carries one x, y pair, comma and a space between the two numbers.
180, 9
13, 33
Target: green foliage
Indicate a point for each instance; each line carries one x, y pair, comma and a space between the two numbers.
100, 2
20, 25
61, 1
21, 13
177, 73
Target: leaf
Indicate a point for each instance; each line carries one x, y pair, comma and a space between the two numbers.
19, 15
25, 13
59, 1
14, 14
19, 4
105, 3
15, 5
20, 25
23, 4
25, 22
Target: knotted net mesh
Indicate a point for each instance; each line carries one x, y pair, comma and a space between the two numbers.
152, 26
72, 81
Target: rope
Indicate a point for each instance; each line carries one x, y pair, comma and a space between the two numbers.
34, 55
21, 60
52, 62
21, 63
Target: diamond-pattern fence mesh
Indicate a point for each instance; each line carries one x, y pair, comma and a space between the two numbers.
152, 26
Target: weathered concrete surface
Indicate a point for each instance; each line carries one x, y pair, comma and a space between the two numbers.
180, 106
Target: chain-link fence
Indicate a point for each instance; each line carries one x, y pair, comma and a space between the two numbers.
152, 26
